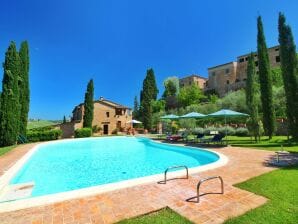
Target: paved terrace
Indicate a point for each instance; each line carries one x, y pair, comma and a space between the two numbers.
114, 206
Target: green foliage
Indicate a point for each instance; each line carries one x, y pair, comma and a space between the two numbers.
89, 105
227, 130
233, 101
43, 135
279, 101
148, 93
189, 95
83, 132
174, 127
289, 73
24, 91
276, 77
171, 85
96, 129
265, 82
64, 119
251, 97
241, 132
136, 108
10, 107
188, 123
158, 105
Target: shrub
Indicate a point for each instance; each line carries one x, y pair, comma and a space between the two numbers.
83, 132
241, 132
115, 131
46, 135
227, 130
198, 131
209, 129
96, 129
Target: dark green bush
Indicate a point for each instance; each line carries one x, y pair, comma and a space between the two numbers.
46, 135
83, 132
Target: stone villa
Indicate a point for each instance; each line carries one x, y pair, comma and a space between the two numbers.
193, 80
230, 76
108, 115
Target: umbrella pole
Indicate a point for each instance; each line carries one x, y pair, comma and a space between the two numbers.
226, 128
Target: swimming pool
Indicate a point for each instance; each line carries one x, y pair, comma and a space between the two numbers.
80, 163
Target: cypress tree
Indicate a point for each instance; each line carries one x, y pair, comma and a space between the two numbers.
64, 119
135, 108
24, 92
289, 70
265, 82
9, 113
251, 99
88, 105
148, 94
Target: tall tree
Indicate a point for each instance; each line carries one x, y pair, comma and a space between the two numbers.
24, 91
265, 82
289, 70
149, 93
89, 105
189, 95
251, 97
9, 113
135, 112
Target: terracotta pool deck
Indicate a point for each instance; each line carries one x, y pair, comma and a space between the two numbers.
117, 205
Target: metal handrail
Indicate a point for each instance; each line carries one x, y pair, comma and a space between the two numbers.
173, 167
204, 180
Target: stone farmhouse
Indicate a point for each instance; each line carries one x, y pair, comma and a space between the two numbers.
108, 116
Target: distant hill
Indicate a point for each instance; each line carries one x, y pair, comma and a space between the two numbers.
41, 123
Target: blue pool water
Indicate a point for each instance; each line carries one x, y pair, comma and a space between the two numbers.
75, 164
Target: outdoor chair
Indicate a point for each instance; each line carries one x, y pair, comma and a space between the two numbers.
200, 137
218, 138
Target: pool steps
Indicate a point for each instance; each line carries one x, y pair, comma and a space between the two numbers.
16, 191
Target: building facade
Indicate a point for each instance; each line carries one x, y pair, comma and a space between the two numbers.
232, 76
196, 80
108, 116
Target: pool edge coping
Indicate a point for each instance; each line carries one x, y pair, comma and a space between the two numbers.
94, 190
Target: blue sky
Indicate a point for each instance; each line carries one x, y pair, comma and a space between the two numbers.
115, 42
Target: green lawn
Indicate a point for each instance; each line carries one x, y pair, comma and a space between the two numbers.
273, 145
280, 187
6, 149
39, 124
163, 216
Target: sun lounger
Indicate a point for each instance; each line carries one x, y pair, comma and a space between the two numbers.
216, 139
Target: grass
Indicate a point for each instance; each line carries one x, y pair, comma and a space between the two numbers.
40, 124
281, 188
273, 145
163, 216
6, 149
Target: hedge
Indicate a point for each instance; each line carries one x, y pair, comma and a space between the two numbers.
83, 132
46, 135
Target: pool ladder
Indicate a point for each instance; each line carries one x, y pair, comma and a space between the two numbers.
170, 168
198, 185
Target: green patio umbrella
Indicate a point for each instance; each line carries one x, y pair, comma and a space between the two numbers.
170, 117
227, 113
193, 115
